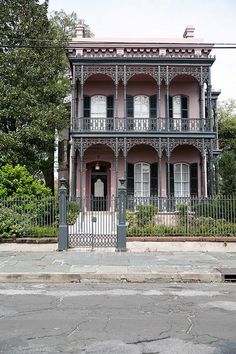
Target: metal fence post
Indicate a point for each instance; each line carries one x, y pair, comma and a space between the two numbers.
122, 225
63, 227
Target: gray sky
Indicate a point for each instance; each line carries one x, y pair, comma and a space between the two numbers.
214, 21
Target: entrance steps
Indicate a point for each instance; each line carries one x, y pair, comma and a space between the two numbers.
95, 223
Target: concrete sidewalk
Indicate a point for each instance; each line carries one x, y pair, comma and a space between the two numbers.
74, 266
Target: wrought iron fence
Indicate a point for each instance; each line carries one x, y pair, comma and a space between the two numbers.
142, 124
28, 216
181, 216
94, 224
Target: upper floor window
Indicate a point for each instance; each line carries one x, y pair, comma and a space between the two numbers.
98, 106
178, 112
141, 106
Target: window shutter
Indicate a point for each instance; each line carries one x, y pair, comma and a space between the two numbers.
193, 179
154, 179
170, 107
110, 106
153, 106
130, 106
130, 179
184, 106
87, 105
171, 179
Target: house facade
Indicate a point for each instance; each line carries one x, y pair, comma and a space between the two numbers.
142, 109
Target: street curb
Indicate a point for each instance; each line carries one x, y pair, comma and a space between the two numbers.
168, 277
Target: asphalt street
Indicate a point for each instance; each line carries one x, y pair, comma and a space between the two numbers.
118, 318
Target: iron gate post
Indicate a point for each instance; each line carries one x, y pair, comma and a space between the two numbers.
122, 225
63, 227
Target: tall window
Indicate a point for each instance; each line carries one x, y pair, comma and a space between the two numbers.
181, 180
98, 112
142, 180
141, 112
178, 111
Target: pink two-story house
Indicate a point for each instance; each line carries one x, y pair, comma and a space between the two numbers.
142, 109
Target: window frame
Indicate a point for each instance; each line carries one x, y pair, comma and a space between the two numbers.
181, 182
140, 192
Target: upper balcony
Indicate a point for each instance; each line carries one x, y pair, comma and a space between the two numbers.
144, 125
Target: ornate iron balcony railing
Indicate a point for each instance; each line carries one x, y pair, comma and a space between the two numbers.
143, 125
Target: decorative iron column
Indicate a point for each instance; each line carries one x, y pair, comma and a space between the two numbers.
202, 102
81, 113
159, 99
168, 167
167, 99
116, 124
160, 169
63, 227
125, 106
125, 159
210, 172
116, 163
122, 225
73, 100
81, 173
73, 172
203, 170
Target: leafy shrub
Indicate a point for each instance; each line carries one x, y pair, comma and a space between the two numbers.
145, 214
17, 182
72, 212
131, 218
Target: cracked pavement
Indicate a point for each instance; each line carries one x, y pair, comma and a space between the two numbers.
118, 318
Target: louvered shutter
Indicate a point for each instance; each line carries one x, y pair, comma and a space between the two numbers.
130, 179
194, 179
154, 179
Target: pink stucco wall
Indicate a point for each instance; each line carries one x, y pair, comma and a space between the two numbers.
188, 87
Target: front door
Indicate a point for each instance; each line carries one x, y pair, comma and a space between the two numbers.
99, 191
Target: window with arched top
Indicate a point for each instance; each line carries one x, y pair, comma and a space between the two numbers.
181, 180
142, 180
178, 112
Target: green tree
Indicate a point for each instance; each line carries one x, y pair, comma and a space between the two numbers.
227, 139
34, 83
17, 182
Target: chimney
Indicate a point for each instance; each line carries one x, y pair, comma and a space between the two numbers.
79, 31
189, 32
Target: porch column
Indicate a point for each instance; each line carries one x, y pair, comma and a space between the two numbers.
81, 106
116, 123
81, 174
73, 172
203, 171
167, 99
202, 102
159, 124
116, 163
124, 90
160, 169
168, 168
73, 100
125, 159
210, 172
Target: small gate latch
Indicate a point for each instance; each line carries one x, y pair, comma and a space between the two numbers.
94, 219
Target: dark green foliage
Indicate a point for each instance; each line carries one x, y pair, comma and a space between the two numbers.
227, 138
34, 83
73, 209
17, 182
145, 214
